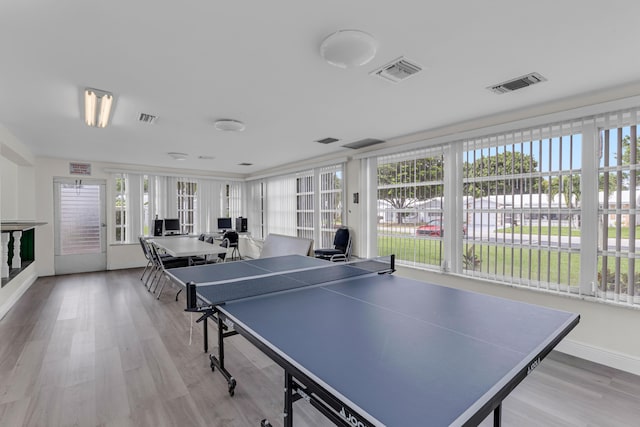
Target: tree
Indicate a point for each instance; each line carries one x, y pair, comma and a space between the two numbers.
407, 181
499, 165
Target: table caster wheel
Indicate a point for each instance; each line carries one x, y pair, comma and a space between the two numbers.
232, 386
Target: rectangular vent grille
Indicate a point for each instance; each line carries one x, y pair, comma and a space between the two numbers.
245, 164
147, 118
367, 142
397, 70
518, 83
327, 140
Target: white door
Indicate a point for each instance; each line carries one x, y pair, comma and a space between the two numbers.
80, 226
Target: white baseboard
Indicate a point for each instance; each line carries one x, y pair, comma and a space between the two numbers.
15, 296
621, 361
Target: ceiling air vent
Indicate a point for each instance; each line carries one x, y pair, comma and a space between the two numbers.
147, 118
327, 140
397, 70
245, 164
519, 83
363, 143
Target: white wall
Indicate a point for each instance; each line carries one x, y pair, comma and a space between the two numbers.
17, 202
118, 256
8, 180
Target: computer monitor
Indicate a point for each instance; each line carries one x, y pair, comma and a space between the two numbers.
224, 224
172, 226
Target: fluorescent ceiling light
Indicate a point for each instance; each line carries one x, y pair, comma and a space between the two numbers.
97, 107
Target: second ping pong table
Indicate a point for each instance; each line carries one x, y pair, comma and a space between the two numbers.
369, 349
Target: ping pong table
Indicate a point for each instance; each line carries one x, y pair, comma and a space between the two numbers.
371, 349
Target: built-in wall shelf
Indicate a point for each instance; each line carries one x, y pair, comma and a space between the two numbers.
8, 226
17, 247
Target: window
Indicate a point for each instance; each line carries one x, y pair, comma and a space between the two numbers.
554, 207
521, 203
146, 217
120, 207
305, 205
187, 205
619, 197
256, 209
232, 205
410, 207
330, 203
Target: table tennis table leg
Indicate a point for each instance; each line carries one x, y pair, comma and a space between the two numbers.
219, 361
205, 331
497, 416
288, 399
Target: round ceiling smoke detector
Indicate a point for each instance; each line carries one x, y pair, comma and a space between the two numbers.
348, 48
228, 125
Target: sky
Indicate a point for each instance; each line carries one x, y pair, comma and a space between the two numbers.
566, 151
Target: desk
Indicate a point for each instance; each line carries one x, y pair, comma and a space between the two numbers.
187, 246
371, 350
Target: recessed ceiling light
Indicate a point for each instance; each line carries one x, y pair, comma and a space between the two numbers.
229, 125
178, 156
245, 164
348, 48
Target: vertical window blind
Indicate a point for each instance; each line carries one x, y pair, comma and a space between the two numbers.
553, 207
197, 202
410, 196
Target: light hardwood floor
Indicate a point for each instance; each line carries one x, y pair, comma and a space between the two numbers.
97, 349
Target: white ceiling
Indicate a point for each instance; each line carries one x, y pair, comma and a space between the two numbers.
193, 62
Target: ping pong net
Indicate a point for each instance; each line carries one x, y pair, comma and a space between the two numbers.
216, 293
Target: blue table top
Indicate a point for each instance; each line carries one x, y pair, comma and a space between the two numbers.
208, 273
402, 351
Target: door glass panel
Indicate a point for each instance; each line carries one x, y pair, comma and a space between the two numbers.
80, 221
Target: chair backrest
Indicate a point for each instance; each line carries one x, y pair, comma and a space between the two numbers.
201, 237
210, 239
342, 240
155, 257
145, 248
225, 244
232, 236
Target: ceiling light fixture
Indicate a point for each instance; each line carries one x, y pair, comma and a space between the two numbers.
229, 125
97, 107
178, 156
348, 48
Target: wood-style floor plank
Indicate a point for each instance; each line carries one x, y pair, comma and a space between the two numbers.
98, 349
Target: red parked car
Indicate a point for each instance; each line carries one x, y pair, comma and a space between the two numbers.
435, 228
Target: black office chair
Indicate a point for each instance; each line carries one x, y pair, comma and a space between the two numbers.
341, 250
201, 237
162, 264
225, 244
233, 238
220, 258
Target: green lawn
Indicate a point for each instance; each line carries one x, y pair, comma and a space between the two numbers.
535, 264
563, 231
542, 231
